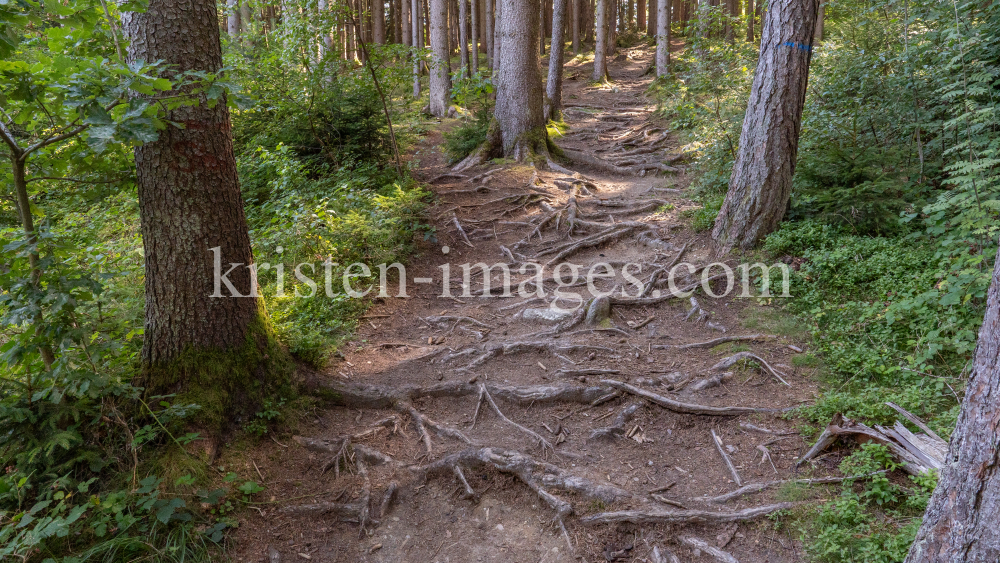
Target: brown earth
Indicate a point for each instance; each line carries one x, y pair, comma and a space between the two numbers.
398, 344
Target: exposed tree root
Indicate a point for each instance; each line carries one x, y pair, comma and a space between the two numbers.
683, 516
757, 487
484, 395
617, 428
723, 556
687, 408
728, 362
504, 349
461, 231
720, 447
721, 340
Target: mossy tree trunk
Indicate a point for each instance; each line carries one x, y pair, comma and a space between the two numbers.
218, 352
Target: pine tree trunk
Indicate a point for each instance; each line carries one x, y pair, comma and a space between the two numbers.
961, 519
601, 40
440, 80
406, 27
417, 43
378, 22
463, 35
750, 15
640, 15
612, 31
474, 36
761, 182
519, 113
219, 351
541, 28
651, 21
553, 86
818, 34
245, 17
490, 32
575, 26
663, 39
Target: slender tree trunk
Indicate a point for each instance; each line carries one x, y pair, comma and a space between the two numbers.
575, 25
405, 23
640, 15
553, 86
750, 15
490, 32
378, 22
651, 21
612, 31
233, 18
818, 34
463, 35
474, 23
600, 45
761, 182
961, 519
440, 80
541, 28
590, 15
246, 17
497, 37
663, 39
216, 351
417, 44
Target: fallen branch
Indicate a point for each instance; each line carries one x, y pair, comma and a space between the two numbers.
757, 487
725, 457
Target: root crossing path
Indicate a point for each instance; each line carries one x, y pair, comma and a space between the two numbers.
550, 425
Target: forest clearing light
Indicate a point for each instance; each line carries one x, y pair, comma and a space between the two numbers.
496, 280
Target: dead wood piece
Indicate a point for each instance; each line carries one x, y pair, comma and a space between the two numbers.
726, 363
709, 382
484, 395
683, 516
671, 502
695, 543
617, 428
720, 447
469, 491
916, 420
765, 455
687, 408
919, 455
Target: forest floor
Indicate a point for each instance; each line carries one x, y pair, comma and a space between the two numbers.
578, 466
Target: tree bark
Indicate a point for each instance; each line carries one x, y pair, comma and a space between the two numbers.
541, 28
519, 113
640, 15
378, 22
601, 40
818, 34
961, 519
417, 44
575, 26
761, 181
612, 30
553, 86
440, 80
750, 16
463, 35
651, 21
474, 35
217, 351
663, 38
490, 34
233, 18
404, 22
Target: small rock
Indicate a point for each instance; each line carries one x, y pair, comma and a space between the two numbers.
452, 111
546, 315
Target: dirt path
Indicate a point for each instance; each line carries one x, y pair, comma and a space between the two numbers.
491, 429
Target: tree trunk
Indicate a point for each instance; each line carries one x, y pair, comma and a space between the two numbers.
474, 35
761, 181
541, 28
640, 15
818, 34
575, 24
600, 45
519, 112
612, 30
750, 15
490, 32
553, 86
961, 519
233, 18
217, 351
417, 44
463, 35
440, 80
245, 17
404, 22
651, 21
497, 38
663, 39
378, 22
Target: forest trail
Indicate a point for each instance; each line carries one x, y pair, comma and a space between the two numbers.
476, 429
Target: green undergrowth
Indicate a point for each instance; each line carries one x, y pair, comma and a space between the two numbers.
890, 233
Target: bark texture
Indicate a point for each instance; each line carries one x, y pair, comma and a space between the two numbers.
519, 114
553, 86
378, 22
961, 519
440, 80
640, 15
233, 18
577, 8
663, 38
474, 21
601, 45
463, 36
417, 39
761, 181
489, 32
651, 20
189, 203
